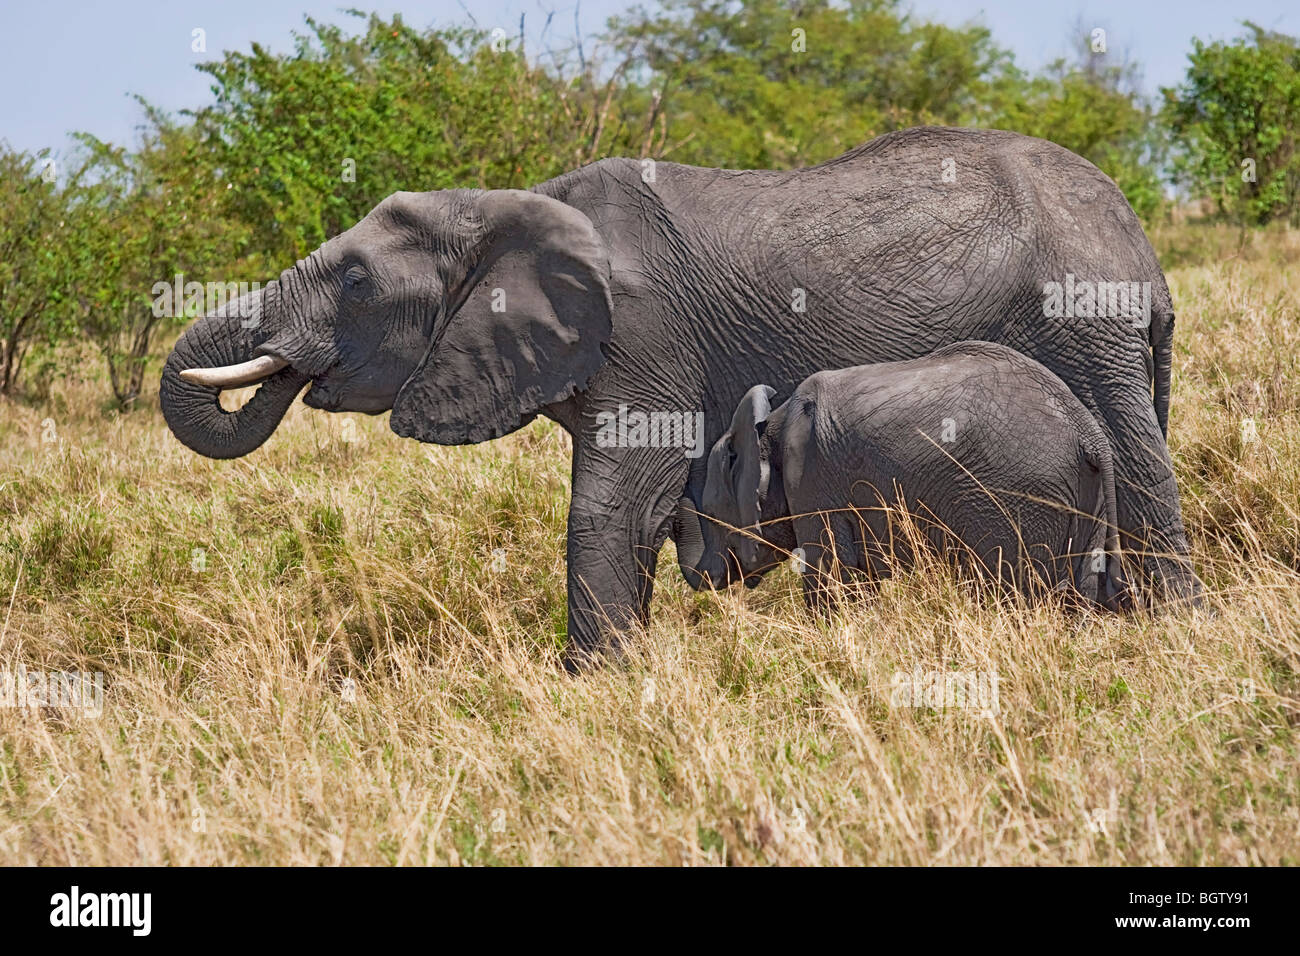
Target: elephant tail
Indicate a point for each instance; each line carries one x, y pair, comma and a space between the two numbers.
1112, 590
1116, 594
1162, 344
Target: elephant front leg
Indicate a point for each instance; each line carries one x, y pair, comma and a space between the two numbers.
829, 558
611, 582
616, 529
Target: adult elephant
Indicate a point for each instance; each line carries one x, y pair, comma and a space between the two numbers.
667, 288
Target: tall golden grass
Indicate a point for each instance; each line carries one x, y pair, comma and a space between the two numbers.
344, 649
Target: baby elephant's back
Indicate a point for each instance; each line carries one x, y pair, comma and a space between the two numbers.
975, 437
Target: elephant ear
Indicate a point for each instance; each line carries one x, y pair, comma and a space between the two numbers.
529, 327
751, 471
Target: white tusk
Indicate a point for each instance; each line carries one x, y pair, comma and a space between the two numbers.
233, 376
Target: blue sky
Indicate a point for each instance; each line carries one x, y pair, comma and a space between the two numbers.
70, 65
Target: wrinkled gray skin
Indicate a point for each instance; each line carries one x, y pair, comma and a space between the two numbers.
679, 294
999, 466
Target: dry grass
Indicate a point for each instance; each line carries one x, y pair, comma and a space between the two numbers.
341, 675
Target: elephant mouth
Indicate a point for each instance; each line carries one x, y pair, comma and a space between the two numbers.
344, 393
323, 397
718, 571
323, 394
259, 370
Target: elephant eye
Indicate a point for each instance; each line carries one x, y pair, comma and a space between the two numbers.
355, 278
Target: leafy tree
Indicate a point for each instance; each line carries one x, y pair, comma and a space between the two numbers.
310, 142
1236, 116
770, 83
36, 243
148, 216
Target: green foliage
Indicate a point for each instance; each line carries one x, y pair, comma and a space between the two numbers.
147, 216
65, 552
1240, 104
310, 142
38, 241
768, 83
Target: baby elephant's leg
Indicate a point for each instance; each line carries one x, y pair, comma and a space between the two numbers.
810, 560
831, 556
817, 597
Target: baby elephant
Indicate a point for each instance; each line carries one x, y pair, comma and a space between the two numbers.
1000, 468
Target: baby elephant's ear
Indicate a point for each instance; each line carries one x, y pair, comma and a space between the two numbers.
751, 470
532, 329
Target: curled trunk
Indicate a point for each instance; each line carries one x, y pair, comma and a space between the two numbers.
227, 337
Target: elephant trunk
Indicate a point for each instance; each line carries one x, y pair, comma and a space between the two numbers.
688, 534
221, 350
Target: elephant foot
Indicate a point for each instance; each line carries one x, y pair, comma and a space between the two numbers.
577, 661
1171, 583
581, 656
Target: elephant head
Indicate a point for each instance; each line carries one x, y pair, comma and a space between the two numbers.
463, 311
736, 486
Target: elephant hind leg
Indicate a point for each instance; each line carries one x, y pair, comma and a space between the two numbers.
1147, 502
